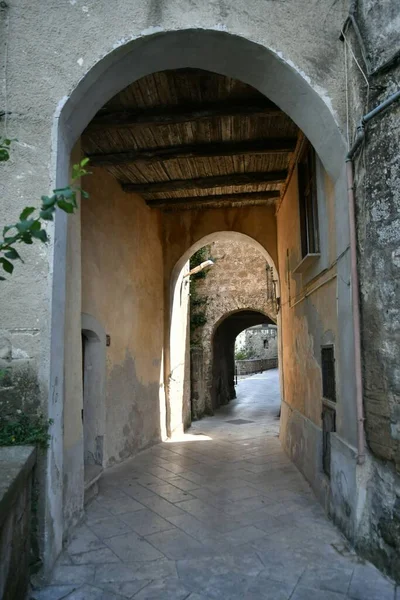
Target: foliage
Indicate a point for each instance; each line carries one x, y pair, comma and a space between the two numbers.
28, 229
197, 303
198, 320
24, 429
5, 149
197, 258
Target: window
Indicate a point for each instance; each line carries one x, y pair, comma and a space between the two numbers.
328, 373
307, 183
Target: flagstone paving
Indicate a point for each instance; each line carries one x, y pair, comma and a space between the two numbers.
219, 514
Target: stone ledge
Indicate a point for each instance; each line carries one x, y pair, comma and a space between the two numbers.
16, 462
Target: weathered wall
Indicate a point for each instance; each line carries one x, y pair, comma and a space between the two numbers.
378, 200
122, 287
239, 279
307, 322
308, 319
255, 365
16, 475
377, 175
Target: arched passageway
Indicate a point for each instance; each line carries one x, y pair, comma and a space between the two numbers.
145, 386
223, 382
243, 277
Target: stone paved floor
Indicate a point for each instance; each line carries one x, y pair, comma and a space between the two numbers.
221, 514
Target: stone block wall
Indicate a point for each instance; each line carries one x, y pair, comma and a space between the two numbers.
16, 465
257, 365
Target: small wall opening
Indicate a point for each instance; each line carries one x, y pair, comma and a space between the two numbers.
93, 411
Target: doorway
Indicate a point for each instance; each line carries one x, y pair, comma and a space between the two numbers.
93, 411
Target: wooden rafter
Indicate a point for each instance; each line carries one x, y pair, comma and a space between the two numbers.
233, 179
153, 155
171, 115
216, 199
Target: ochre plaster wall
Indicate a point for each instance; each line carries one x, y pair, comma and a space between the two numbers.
308, 315
185, 228
122, 287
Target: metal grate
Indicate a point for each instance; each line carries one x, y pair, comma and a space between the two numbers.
328, 373
328, 427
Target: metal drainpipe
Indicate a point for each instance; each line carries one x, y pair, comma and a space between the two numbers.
354, 273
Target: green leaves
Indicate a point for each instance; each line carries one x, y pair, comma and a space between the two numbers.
66, 206
47, 215
26, 230
26, 212
24, 225
13, 254
5, 144
23, 429
7, 265
79, 170
41, 235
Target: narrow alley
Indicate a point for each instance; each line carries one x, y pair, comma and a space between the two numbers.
220, 514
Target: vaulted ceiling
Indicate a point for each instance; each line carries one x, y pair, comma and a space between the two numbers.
193, 139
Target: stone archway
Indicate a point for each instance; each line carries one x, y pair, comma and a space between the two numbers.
214, 50
178, 390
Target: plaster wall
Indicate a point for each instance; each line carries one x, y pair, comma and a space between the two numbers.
310, 318
307, 321
187, 231
177, 340
122, 284
73, 472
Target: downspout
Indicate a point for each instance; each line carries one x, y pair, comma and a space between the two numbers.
354, 273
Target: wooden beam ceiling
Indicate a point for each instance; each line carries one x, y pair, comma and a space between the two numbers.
172, 115
252, 197
153, 155
233, 179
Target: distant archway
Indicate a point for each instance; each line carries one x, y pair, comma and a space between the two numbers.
223, 358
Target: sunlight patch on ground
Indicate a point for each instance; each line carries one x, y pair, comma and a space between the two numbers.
188, 437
